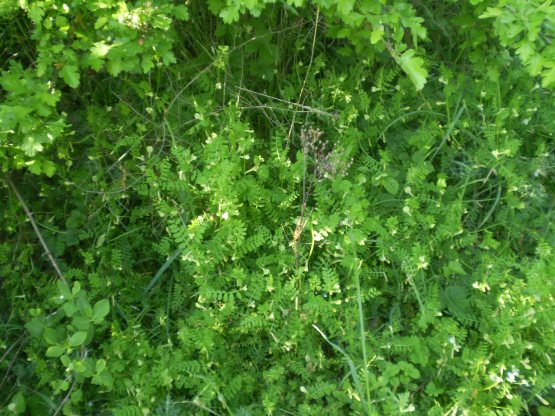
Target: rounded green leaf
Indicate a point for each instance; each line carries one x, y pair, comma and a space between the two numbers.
391, 185
53, 335
81, 323
65, 360
100, 365
69, 308
55, 351
77, 339
36, 326
100, 310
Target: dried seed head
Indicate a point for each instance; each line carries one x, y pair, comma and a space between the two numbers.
327, 163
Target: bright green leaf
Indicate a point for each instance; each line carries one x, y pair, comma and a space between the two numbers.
181, 12
345, 6
36, 13
491, 12
31, 145
107, 379
35, 167
49, 168
548, 77
100, 22
230, 14
114, 66
535, 65
100, 49
526, 50
377, 35
70, 74
413, 68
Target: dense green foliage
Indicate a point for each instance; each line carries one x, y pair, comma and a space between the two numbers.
263, 207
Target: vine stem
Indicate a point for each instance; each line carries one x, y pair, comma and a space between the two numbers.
37, 231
